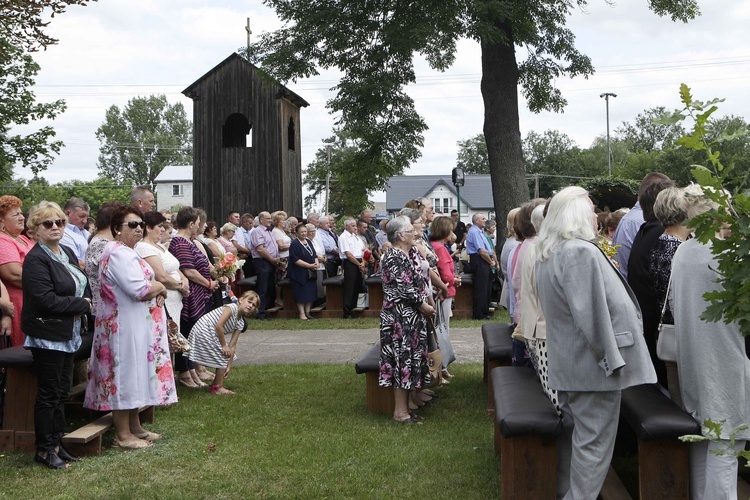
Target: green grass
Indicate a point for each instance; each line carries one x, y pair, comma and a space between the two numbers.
290, 431
357, 323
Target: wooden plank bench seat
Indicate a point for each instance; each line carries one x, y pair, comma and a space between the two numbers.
498, 349
87, 440
526, 430
663, 467
378, 399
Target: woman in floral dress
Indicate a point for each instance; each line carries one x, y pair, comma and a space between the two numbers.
130, 362
403, 319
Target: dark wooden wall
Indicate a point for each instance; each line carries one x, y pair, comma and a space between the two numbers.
266, 176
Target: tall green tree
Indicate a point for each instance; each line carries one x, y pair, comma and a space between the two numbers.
138, 141
22, 30
648, 134
373, 43
18, 106
350, 182
472, 155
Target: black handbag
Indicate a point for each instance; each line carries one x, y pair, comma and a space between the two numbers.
312, 274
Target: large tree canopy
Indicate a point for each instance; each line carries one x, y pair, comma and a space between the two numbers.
373, 43
138, 141
22, 27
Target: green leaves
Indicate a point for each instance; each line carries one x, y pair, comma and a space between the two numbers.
727, 228
138, 141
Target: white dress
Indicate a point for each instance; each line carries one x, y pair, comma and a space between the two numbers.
205, 345
171, 266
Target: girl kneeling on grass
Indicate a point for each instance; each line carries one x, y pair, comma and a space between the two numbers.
208, 337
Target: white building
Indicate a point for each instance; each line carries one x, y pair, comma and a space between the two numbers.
476, 194
174, 186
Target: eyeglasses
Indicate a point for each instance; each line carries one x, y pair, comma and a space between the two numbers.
410, 231
49, 223
133, 224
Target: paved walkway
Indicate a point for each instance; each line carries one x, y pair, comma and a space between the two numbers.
257, 347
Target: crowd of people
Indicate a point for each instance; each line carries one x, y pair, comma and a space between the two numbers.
115, 282
586, 320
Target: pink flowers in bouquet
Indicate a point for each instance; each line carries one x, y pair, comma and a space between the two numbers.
228, 265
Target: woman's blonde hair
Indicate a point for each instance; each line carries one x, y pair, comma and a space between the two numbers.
277, 217
44, 210
228, 227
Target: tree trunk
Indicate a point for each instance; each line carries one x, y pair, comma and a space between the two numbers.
501, 130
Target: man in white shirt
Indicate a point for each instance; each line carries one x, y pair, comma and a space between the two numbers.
75, 236
351, 248
241, 241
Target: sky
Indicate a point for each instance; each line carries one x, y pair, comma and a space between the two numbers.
113, 50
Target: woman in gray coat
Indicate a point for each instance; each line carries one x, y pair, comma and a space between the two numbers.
711, 361
594, 337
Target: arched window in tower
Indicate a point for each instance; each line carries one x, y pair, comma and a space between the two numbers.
237, 132
291, 134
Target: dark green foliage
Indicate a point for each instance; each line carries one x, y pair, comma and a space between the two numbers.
138, 141
350, 181
18, 106
472, 155
728, 227
93, 192
612, 193
374, 43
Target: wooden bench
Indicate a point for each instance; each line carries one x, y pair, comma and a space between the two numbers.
87, 440
663, 466
526, 430
377, 399
463, 303
17, 433
498, 350
334, 287
375, 296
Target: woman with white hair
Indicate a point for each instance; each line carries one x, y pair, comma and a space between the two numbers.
407, 304
594, 337
713, 367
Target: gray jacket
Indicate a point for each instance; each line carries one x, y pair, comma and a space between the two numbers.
594, 326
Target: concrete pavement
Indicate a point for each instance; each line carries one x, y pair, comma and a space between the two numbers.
257, 347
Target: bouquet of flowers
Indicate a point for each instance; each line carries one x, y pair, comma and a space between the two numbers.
609, 249
228, 265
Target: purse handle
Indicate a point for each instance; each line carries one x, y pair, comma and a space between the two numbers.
666, 299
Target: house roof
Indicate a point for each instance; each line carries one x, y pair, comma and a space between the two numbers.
283, 91
175, 173
476, 192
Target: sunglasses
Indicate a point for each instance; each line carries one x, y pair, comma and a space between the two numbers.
133, 224
49, 223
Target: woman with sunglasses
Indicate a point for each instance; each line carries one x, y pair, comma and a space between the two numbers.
56, 298
130, 362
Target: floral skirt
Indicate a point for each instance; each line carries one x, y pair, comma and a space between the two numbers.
403, 349
281, 268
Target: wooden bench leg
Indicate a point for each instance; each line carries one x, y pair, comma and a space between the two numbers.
92, 448
378, 399
147, 415
528, 466
663, 469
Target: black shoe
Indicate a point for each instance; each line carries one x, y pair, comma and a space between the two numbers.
348, 316
66, 455
52, 460
262, 318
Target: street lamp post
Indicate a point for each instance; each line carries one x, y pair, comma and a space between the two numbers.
606, 97
458, 181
